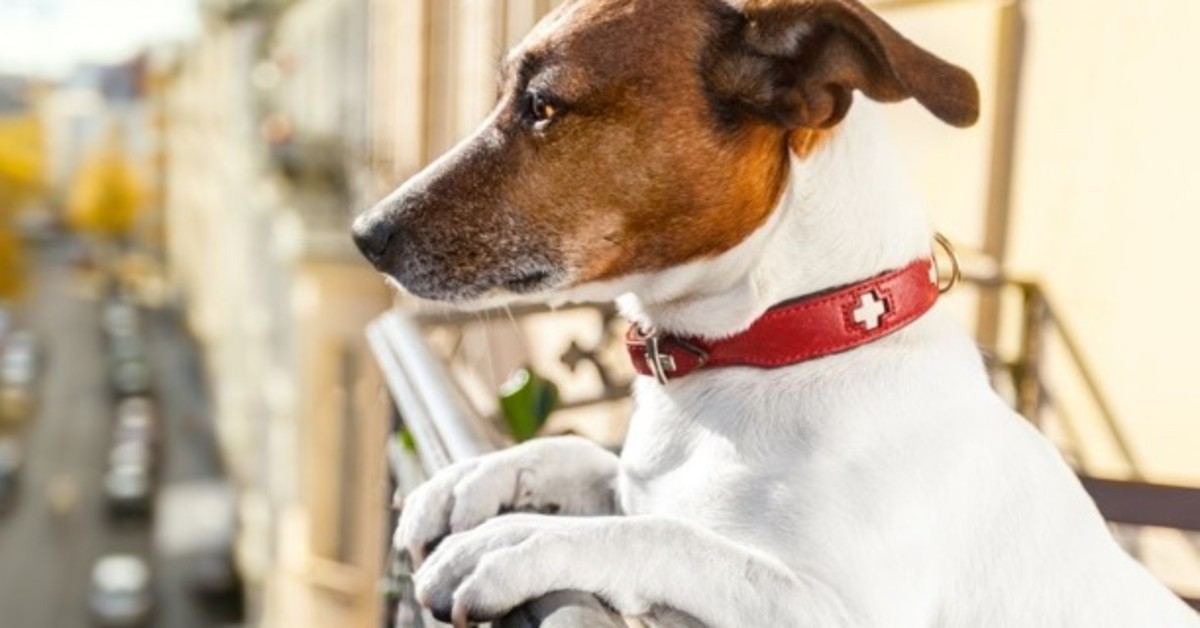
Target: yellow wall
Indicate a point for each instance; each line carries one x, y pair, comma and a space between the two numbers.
1101, 200
1108, 204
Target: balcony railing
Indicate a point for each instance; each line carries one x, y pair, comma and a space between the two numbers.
445, 429
1126, 501
445, 426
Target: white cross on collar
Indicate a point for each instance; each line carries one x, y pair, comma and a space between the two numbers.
870, 311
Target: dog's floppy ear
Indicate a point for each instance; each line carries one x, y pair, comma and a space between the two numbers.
798, 63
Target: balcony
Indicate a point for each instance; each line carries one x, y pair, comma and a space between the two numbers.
438, 377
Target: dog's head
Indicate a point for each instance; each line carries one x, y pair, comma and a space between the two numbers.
632, 136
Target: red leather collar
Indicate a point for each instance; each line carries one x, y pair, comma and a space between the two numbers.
799, 330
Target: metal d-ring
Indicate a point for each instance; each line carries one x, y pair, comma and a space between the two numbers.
955, 268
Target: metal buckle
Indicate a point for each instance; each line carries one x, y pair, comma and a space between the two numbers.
661, 364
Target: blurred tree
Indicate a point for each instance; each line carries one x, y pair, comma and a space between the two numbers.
106, 195
22, 174
11, 270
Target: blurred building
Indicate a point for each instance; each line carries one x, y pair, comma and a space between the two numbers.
285, 117
264, 124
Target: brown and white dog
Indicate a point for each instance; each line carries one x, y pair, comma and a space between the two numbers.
702, 161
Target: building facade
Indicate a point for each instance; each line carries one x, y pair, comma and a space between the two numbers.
284, 117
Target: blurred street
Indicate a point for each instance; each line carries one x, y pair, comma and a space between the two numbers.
59, 525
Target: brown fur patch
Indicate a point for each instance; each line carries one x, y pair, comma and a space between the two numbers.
637, 135
805, 142
646, 180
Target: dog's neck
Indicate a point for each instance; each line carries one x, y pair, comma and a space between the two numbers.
847, 213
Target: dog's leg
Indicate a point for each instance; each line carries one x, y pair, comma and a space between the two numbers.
637, 564
565, 475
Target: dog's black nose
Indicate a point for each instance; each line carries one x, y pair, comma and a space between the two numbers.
373, 236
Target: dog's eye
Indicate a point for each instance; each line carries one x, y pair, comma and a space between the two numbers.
540, 109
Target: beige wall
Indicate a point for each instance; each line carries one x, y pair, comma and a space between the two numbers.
1101, 200
1107, 205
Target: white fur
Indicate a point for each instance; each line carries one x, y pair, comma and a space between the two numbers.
887, 486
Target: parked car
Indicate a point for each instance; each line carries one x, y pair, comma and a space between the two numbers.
128, 491
122, 594
131, 453
18, 376
120, 318
136, 421
10, 473
131, 377
136, 408
214, 574
197, 527
129, 370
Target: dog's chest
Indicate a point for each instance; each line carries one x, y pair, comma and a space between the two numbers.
672, 465
696, 480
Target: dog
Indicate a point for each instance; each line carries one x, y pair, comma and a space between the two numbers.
720, 169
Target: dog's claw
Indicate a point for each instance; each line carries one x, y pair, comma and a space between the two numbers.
465, 614
459, 616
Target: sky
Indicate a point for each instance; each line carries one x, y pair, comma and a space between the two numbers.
48, 37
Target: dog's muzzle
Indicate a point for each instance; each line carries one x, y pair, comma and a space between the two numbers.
449, 260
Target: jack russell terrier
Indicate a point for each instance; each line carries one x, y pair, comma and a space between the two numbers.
814, 443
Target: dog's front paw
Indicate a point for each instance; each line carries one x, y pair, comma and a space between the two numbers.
480, 575
565, 475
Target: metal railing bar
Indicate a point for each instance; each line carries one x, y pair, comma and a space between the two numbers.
415, 415
1067, 423
1141, 504
446, 430
1027, 370
462, 434
1055, 322
1107, 415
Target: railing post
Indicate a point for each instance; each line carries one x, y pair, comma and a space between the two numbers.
1027, 369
